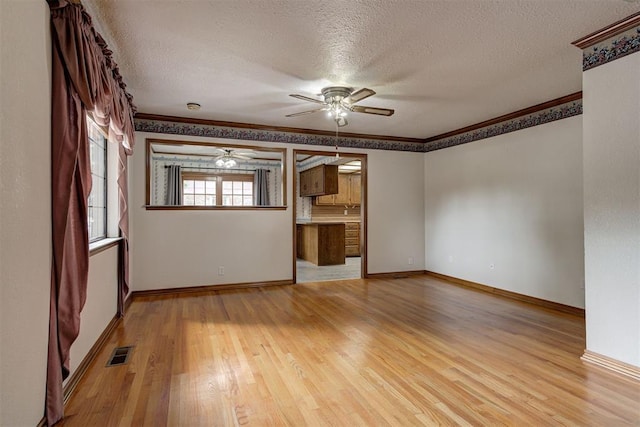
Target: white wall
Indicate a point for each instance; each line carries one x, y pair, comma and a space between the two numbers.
612, 208
25, 218
514, 201
179, 249
101, 304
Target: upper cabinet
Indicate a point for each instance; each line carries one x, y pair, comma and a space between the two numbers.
349, 191
355, 189
318, 181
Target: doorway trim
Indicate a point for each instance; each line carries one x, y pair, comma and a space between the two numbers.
363, 204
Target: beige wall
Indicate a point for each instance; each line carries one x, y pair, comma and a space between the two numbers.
25, 219
178, 249
612, 208
396, 211
513, 201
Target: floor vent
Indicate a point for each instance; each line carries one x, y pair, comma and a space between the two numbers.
120, 356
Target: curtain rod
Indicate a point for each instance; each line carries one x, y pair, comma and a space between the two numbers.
217, 169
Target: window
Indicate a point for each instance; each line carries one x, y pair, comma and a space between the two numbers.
97, 202
200, 189
237, 191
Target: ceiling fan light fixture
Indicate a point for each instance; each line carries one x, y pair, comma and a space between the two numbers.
339, 101
226, 163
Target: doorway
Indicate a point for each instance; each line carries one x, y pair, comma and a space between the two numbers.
330, 219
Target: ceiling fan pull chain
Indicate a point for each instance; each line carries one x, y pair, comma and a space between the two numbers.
337, 154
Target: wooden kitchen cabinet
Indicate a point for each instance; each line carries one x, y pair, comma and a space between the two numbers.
349, 192
318, 181
344, 186
355, 189
325, 200
321, 243
352, 239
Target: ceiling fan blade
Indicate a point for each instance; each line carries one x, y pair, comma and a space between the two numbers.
306, 98
341, 121
359, 95
372, 110
305, 112
240, 156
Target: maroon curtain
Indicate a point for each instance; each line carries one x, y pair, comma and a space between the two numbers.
84, 79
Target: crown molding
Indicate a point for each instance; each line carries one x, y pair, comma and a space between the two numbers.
238, 125
613, 42
609, 31
556, 109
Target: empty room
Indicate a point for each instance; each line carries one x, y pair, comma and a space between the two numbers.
322, 213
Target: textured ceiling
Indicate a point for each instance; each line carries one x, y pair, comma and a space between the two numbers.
441, 65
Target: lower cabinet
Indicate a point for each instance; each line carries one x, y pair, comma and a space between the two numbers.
321, 243
352, 239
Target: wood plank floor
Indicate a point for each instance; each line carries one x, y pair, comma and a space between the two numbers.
412, 351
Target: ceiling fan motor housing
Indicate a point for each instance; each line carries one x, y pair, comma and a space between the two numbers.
333, 94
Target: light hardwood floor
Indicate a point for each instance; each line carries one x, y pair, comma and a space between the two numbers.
412, 351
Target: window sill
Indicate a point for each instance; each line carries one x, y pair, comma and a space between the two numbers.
103, 245
212, 208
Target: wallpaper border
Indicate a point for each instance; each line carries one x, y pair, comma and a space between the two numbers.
541, 117
611, 49
261, 135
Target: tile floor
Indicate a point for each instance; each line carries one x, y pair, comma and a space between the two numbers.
309, 272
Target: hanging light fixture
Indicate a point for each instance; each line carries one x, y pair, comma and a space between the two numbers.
226, 162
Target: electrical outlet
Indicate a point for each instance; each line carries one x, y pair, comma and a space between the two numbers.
410, 260
450, 258
220, 271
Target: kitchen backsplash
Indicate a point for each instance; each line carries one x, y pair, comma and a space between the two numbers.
334, 213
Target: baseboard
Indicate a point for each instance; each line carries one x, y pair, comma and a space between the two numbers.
209, 288
395, 274
610, 364
77, 375
511, 295
127, 302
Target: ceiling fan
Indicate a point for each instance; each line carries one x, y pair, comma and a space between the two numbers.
228, 157
338, 100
